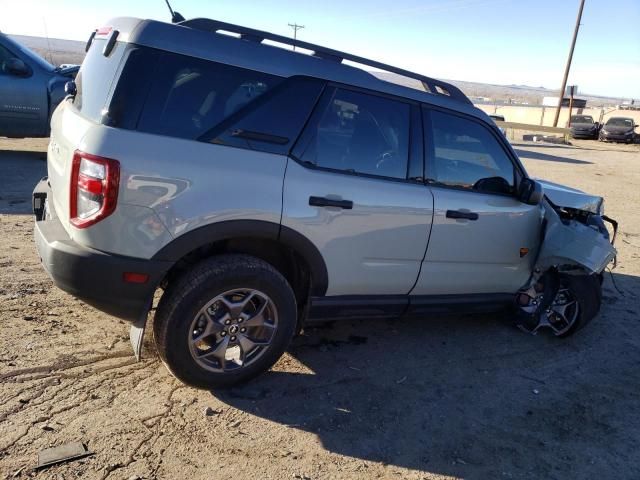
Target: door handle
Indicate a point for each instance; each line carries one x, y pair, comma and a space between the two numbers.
459, 214
330, 202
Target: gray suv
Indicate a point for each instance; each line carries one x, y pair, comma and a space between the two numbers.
254, 189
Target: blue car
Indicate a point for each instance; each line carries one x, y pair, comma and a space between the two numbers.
30, 90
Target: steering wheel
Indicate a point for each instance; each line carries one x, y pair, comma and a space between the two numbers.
384, 157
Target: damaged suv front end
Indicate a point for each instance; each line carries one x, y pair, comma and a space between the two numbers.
575, 250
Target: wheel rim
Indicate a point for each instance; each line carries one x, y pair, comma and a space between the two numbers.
233, 330
559, 316
563, 312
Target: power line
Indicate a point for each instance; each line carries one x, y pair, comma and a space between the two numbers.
568, 66
295, 27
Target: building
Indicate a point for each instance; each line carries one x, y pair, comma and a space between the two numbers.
553, 102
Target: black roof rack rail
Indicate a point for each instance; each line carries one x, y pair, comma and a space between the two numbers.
431, 85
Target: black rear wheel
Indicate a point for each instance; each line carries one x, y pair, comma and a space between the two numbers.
227, 320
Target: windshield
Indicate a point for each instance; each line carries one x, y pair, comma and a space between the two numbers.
34, 57
620, 122
581, 119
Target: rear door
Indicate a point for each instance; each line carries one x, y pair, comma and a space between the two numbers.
354, 188
483, 239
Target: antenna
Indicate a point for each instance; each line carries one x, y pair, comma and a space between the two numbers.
175, 16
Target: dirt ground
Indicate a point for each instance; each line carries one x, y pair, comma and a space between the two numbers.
466, 397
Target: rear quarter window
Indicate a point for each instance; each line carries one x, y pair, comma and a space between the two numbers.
95, 79
190, 96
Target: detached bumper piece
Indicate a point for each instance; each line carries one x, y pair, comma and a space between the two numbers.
117, 285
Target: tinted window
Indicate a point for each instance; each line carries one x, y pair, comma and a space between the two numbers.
95, 78
361, 133
466, 154
133, 86
273, 122
620, 122
5, 56
581, 119
190, 96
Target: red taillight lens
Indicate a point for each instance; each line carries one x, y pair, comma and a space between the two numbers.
134, 277
94, 188
104, 30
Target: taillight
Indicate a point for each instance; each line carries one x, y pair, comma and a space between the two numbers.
94, 188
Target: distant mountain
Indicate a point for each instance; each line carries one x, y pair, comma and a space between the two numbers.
54, 50
502, 93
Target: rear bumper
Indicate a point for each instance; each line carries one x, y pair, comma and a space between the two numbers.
93, 276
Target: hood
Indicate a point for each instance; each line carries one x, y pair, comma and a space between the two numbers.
568, 197
611, 129
583, 126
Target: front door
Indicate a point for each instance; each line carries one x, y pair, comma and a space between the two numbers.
354, 189
483, 239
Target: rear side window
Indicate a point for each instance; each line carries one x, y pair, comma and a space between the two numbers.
359, 133
95, 79
190, 96
466, 154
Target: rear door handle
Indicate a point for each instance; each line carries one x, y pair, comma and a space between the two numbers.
459, 214
330, 202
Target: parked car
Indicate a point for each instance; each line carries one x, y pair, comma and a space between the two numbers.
264, 189
30, 89
583, 126
618, 129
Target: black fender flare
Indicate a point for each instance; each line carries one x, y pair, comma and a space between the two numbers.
257, 229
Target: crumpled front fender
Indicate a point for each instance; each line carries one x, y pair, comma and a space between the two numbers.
570, 245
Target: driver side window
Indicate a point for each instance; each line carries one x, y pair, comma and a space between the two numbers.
360, 133
5, 56
466, 155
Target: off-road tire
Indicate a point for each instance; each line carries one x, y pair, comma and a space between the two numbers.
186, 296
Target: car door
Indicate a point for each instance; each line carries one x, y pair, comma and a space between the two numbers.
483, 239
23, 99
353, 187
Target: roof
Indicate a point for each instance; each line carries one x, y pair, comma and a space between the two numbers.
198, 38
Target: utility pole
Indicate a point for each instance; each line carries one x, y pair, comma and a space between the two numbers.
568, 66
295, 27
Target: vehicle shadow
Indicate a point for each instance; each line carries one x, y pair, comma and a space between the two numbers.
20, 171
528, 154
593, 145
470, 397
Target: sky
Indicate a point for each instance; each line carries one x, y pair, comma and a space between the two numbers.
490, 41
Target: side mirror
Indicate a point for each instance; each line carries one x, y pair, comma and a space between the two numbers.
530, 192
17, 67
70, 88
